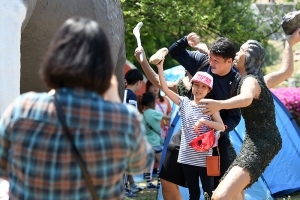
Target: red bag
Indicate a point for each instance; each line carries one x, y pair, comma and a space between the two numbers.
203, 142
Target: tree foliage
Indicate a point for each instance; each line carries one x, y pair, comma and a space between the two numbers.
298, 5
165, 21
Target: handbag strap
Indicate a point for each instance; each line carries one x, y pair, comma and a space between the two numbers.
217, 151
79, 158
150, 127
160, 107
219, 157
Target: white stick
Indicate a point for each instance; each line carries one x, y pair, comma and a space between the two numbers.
136, 33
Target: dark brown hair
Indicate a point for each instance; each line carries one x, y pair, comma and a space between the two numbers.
148, 85
78, 56
133, 76
146, 100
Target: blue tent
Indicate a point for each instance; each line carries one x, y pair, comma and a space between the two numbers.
282, 176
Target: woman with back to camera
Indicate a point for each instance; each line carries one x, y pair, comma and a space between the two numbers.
35, 155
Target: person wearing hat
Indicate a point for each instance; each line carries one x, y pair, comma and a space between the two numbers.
194, 122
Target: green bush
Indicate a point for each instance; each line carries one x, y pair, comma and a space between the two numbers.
290, 97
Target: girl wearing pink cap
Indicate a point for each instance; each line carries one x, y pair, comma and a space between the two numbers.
193, 123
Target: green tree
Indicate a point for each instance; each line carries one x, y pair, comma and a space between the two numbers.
165, 21
298, 5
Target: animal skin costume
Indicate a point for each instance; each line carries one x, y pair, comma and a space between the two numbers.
262, 140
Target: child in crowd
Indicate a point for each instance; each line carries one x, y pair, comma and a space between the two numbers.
194, 121
133, 80
163, 105
152, 119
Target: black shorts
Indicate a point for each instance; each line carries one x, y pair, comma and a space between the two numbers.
171, 170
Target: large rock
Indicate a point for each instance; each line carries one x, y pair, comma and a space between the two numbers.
290, 22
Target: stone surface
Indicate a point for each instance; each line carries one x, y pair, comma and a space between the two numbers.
290, 22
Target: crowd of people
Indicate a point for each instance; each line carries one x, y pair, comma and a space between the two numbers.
239, 87
115, 140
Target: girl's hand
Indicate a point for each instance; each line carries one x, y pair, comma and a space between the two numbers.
193, 39
196, 127
160, 65
138, 51
198, 124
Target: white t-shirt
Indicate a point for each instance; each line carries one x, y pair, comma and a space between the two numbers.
190, 114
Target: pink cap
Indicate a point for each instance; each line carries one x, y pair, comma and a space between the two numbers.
203, 77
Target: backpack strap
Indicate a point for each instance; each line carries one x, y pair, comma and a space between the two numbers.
203, 64
150, 127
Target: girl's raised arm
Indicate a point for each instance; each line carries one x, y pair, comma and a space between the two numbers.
172, 95
149, 72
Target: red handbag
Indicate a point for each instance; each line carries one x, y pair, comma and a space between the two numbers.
203, 142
